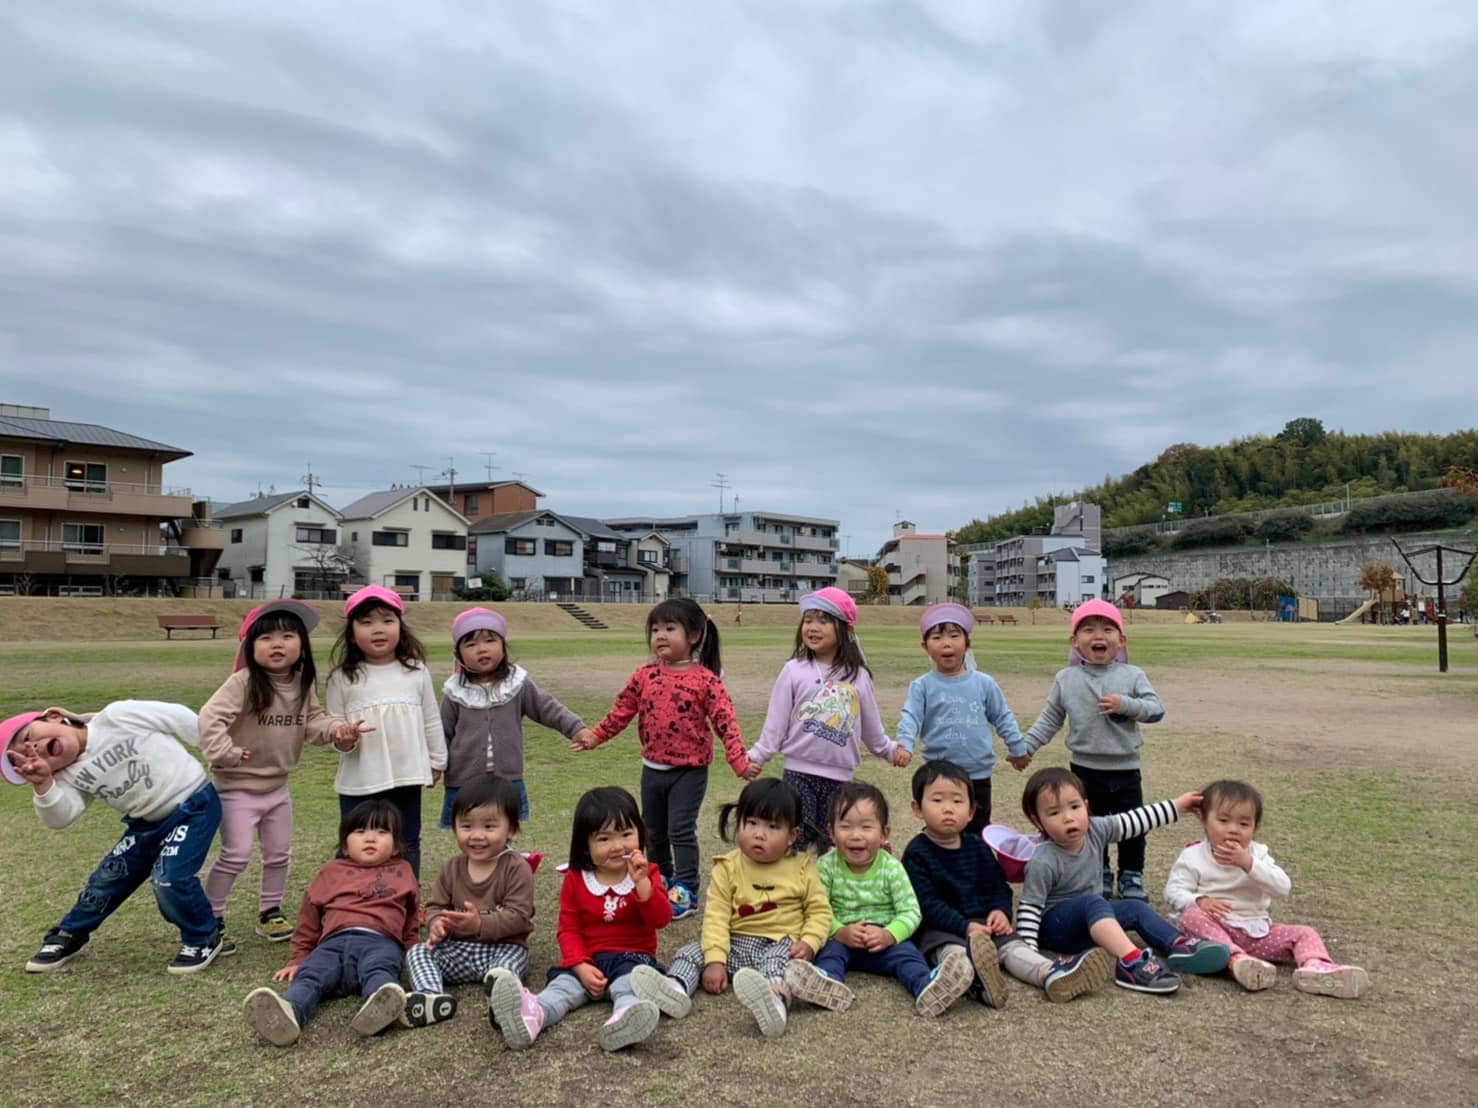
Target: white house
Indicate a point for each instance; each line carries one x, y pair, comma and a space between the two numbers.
280, 545
408, 539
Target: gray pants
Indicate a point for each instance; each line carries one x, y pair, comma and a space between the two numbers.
565, 993
769, 956
1017, 959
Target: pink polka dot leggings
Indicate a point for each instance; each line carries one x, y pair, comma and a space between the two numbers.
1284, 942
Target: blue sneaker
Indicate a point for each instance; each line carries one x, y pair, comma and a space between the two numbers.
1189, 954
1145, 976
683, 900
1082, 973
1131, 885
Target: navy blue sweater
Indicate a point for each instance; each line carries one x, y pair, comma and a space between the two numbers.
955, 887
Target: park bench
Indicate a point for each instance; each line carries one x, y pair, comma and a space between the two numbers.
985, 618
1006, 619
170, 624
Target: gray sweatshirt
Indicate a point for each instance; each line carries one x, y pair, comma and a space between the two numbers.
484, 724
1094, 740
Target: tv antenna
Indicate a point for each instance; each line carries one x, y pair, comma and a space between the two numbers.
720, 482
491, 465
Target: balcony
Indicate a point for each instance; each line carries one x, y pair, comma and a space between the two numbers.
202, 534
814, 542
56, 556
62, 494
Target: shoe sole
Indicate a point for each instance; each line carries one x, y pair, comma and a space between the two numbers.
1153, 990
271, 1017
505, 1009
271, 938
1253, 974
424, 1009
754, 992
953, 981
47, 967
1345, 983
648, 984
808, 983
384, 1007
1209, 958
1092, 973
634, 1023
987, 966
180, 971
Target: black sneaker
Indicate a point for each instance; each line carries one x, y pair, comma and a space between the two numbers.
193, 959
55, 953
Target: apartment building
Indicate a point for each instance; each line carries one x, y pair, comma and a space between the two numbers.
980, 573
480, 500
408, 539
85, 510
922, 569
285, 544
1028, 566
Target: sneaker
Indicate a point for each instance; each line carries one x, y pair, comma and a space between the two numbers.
514, 1010
1189, 954
987, 965
657, 988
55, 953
424, 1009
629, 1025
193, 959
1253, 974
1108, 883
273, 926
815, 986
1131, 885
383, 1007
227, 944
1145, 976
1082, 973
1323, 978
683, 901
272, 1017
950, 980
762, 1002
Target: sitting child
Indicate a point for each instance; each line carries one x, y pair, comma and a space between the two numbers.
966, 901
1222, 887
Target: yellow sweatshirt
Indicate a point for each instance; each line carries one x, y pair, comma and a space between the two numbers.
778, 900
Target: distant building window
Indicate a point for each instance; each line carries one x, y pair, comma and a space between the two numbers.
544, 521
469, 504
353, 536
325, 535
12, 469
10, 534
389, 538
303, 502
87, 476
414, 506
408, 580
82, 538
1088, 579
519, 582
647, 557
559, 548
236, 534
524, 547
442, 541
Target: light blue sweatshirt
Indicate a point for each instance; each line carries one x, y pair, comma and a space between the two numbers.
954, 717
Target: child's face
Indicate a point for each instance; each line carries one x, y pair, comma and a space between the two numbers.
277, 651
946, 645
819, 634
52, 739
859, 833
1231, 824
1063, 816
611, 846
482, 833
369, 846
1098, 640
377, 634
481, 653
945, 807
765, 840
671, 642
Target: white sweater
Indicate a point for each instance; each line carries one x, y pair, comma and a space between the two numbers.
132, 763
407, 741
1197, 873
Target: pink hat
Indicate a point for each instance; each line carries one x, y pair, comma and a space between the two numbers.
1101, 608
1012, 849
946, 612
385, 596
8, 731
478, 619
834, 602
294, 607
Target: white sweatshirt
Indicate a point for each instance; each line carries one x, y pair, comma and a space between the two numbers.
407, 742
1197, 873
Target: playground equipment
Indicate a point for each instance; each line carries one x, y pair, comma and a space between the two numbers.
1441, 583
1358, 613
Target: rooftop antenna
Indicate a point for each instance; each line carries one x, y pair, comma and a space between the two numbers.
518, 475
420, 473
490, 455
1441, 583
310, 479
721, 483
450, 473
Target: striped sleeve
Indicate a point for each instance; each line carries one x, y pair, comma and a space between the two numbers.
1140, 821
1028, 923
1034, 892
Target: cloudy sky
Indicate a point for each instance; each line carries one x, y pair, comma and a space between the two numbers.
864, 258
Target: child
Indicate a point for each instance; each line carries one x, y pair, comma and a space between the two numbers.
382, 678
1222, 887
611, 907
483, 705
822, 704
1104, 700
767, 911
482, 910
873, 913
677, 697
252, 733
128, 756
1060, 901
358, 917
966, 902
953, 707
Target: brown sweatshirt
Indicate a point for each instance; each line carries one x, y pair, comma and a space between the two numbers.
505, 900
274, 737
385, 899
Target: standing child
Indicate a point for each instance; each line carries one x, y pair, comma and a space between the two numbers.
482, 910
129, 756
252, 733
1060, 901
1104, 700
483, 705
966, 902
678, 698
954, 707
382, 678
358, 917
766, 912
1222, 887
820, 708
611, 907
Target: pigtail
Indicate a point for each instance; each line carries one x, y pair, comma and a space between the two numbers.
725, 814
708, 647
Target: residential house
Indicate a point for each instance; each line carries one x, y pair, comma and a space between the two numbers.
408, 539
1069, 576
477, 501
621, 568
852, 577
285, 544
536, 554
922, 569
1141, 590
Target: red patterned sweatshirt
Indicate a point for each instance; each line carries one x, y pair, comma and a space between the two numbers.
675, 707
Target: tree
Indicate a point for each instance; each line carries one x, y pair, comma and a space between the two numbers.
1303, 432
1462, 478
333, 565
1377, 577
492, 588
1470, 597
1034, 605
877, 585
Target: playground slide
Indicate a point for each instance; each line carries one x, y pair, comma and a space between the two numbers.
1354, 617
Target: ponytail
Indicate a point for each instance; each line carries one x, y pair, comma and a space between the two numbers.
708, 652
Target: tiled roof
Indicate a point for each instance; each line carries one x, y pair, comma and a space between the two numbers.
82, 434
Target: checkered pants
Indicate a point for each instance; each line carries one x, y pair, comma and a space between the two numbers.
460, 963
769, 956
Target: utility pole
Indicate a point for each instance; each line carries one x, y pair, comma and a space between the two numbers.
722, 484
310, 479
450, 474
490, 455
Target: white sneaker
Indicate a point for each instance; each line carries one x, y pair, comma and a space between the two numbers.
1253, 974
629, 1025
806, 982
950, 981
382, 1008
762, 1002
651, 985
272, 1017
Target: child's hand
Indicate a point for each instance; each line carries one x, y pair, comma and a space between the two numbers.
1233, 854
437, 932
286, 973
975, 927
463, 925
901, 757
997, 924
853, 936
1188, 802
345, 735
35, 770
641, 874
715, 978
879, 939
1213, 907
593, 980
435, 778
1019, 762
1109, 705
802, 952
583, 739
751, 771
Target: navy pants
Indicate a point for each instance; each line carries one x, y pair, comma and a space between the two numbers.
816, 794
344, 964
670, 799
980, 786
407, 801
451, 798
1111, 791
1065, 926
169, 852
901, 960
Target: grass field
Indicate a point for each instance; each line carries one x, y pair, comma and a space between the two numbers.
1365, 755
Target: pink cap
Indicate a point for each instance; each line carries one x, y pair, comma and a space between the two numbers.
8, 731
296, 607
834, 602
1100, 608
946, 611
373, 592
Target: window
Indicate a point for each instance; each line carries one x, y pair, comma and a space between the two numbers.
236, 534
82, 538
544, 521
525, 547
1088, 579
408, 580
440, 540
414, 506
389, 538
519, 583
469, 504
325, 535
12, 469
303, 502
353, 536
559, 548
647, 557
10, 534
87, 476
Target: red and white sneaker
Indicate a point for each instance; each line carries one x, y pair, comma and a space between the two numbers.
514, 1010
1322, 978
1253, 974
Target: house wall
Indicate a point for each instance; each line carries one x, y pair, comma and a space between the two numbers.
416, 563
539, 569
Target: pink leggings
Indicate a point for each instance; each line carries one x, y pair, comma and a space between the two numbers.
1284, 942
271, 816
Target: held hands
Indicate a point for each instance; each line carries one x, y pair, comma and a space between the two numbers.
1233, 854
593, 980
286, 973
997, 924
715, 978
802, 952
753, 770
1109, 705
1214, 907
860, 936
584, 739
902, 757
345, 735
1019, 762
1187, 802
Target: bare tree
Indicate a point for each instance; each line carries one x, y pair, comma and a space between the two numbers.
333, 565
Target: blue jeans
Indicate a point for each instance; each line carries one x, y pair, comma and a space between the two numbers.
170, 851
407, 801
345, 963
445, 823
901, 960
1065, 926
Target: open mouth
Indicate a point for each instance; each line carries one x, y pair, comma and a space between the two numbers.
53, 748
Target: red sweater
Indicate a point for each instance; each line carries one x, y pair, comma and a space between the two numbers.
612, 921
383, 898
676, 706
